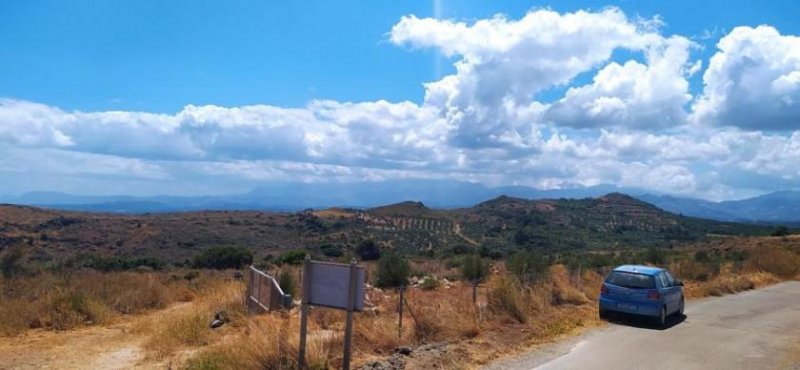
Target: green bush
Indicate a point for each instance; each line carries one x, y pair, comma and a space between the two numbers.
474, 268
528, 267
781, 231
702, 256
100, 263
393, 271
656, 256
429, 283
287, 284
293, 257
331, 251
223, 258
368, 250
11, 262
462, 249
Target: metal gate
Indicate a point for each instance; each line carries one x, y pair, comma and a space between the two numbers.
264, 293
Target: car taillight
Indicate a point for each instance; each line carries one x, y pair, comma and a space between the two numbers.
603, 289
653, 295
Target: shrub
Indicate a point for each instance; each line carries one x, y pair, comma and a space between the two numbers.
368, 250
528, 267
191, 275
11, 263
656, 256
429, 283
331, 251
702, 256
294, 257
462, 249
287, 284
781, 231
100, 263
474, 269
393, 271
488, 252
223, 258
505, 297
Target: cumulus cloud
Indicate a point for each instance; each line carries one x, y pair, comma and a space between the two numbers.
503, 64
635, 95
632, 125
753, 81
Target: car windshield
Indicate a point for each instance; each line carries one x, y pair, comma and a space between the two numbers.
631, 280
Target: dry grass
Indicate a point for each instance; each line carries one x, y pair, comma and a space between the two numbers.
504, 308
71, 299
508, 317
776, 260
729, 283
187, 326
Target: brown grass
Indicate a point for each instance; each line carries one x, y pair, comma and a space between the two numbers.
775, 260
188, 326
71, 299
508, 316
431, 316
729, 283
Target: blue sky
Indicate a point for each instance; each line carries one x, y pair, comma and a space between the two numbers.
160, 56
147, 97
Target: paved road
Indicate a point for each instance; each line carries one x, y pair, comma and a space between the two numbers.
758, 329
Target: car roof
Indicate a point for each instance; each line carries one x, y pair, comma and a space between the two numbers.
639, 269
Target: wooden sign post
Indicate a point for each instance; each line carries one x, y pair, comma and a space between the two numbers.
332, 285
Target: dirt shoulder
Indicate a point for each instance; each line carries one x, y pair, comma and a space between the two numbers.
115, 346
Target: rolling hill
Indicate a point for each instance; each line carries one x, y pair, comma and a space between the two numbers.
499, 225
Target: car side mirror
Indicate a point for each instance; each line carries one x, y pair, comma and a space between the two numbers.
678, 283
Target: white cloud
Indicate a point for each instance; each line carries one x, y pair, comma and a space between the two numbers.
635, 95
753, 81
629, 126
505, 63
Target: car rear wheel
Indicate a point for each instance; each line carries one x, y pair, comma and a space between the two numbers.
662, 318
603, 314
683, 305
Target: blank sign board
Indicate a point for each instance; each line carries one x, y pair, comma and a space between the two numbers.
329, 284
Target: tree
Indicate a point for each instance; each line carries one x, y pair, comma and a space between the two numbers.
393, 271
474, 269
223, 258
368, 250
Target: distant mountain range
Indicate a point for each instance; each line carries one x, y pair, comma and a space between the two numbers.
778, 207
298, 196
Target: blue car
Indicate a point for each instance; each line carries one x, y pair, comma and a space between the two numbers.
641, 290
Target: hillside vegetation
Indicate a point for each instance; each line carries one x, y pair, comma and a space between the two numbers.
494, 229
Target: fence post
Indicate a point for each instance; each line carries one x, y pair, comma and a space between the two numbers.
301, 361
351, 303
400, 311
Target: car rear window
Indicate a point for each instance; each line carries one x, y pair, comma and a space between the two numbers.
631, 280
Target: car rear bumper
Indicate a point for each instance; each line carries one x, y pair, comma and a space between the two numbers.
609, 304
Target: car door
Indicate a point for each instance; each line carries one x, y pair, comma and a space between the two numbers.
665, 291
675, 293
